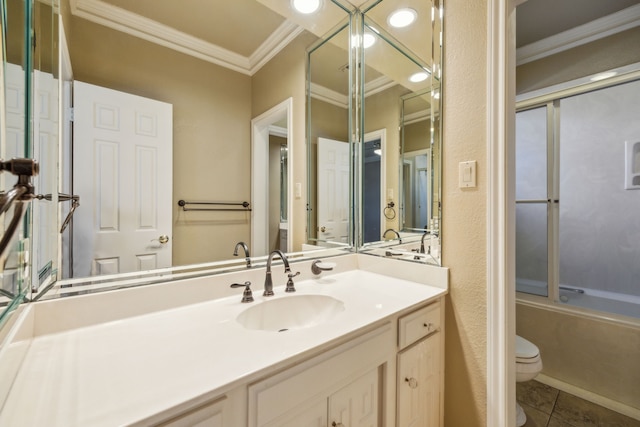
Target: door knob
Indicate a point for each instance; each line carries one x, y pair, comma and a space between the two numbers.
413, 383
323, 229
163, 239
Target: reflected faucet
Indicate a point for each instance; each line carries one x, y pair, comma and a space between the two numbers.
422, 243
244, 247
393, 231
268, 283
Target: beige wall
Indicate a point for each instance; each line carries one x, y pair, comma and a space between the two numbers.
591, 354
281, 78
465, 212
605, 54
382, 111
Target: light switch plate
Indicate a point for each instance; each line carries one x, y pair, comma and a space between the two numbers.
467, 174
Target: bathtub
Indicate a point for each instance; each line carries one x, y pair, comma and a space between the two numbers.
585, 350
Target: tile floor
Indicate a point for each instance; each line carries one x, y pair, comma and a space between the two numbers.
546, 406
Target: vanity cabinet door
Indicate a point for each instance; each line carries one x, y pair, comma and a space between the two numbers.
356, 405
313, 416
418, 384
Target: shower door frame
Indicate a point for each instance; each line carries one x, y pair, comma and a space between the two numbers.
550, 99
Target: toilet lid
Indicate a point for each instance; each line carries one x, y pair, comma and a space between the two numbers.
525, 349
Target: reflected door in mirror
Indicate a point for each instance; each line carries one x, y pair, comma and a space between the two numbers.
123, 175
333, 191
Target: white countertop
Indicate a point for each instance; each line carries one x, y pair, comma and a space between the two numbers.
126, 370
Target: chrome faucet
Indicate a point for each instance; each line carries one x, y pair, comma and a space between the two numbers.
268, 283
393, 231
247, 257
422, 243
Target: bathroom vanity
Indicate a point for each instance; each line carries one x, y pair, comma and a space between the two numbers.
366, 347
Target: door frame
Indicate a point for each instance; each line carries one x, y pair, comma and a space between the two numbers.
260, 175
380, 134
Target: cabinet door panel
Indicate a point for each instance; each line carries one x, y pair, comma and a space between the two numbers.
356, 405
419, 384
313, 416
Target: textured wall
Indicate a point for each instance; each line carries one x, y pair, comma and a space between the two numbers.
464, 212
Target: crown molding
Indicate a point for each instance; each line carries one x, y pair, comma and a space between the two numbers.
278, 131
277, 41
321, 93
603, 27
138, 26
378, 85
418, 116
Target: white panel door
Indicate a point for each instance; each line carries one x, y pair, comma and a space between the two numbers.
12, 146
333, 190
122, 154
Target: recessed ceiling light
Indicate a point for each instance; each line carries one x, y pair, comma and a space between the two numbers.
603, 76
368, 40
402, 17
418, 77
306, 6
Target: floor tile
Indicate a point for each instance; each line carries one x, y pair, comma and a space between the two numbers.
555, 422
535, 417
537, 395
578, 412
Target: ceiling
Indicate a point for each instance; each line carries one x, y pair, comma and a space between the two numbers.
539, 19
245, 34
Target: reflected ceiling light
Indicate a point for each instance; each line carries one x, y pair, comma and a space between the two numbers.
368, 40
306, 6
603, 76
377, 151
418, 77
402, 17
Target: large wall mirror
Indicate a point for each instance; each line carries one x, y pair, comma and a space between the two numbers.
188, 133
29, 109
387, 107
223, 88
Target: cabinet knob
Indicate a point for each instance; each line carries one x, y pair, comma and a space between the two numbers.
413, 383
334, 424
428, 326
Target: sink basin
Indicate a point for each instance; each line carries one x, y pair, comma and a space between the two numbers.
290, 312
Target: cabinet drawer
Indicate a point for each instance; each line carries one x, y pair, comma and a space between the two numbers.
418, 324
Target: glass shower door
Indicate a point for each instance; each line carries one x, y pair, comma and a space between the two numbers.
532, 202
599, 226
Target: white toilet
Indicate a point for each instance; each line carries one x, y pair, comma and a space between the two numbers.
528, 365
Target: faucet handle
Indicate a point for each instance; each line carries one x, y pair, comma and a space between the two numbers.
318, 266
290, 287
247, 296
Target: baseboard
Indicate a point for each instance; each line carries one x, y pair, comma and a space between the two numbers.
621, 408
